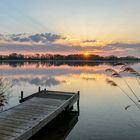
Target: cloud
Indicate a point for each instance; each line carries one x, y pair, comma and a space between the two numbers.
46, 37
89, 41
36, 38
111, 49
53, 43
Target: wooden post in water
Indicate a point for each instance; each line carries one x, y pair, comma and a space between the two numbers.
21, 95
78, 107
39, 89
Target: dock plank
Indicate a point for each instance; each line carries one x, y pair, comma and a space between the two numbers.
5, 137
3, 124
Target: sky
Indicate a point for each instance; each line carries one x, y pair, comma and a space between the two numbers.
103, 27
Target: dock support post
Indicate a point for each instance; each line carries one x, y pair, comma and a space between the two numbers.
39, 89
78, 107
21, 95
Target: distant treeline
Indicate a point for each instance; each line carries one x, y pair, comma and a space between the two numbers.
72, 57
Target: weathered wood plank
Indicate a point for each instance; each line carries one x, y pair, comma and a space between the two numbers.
5, 137
8, 133
15, 119
12, 129
13, 125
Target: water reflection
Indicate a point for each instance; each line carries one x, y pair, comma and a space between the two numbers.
59, 128
42, 81
105, 113
38, 64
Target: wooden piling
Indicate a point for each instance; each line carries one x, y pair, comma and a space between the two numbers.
78, 106
39, 89
21, 95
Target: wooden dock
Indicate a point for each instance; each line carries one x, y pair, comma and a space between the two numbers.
36, 111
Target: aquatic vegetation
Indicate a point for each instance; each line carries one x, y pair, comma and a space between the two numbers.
5, 85
112, 83
114, 74
131, 71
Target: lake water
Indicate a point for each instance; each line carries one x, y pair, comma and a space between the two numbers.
103, 108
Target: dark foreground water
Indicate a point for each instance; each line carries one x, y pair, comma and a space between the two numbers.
106, 113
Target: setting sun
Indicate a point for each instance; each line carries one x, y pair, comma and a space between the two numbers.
86, 54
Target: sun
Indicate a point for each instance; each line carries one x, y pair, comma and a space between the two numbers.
86, 54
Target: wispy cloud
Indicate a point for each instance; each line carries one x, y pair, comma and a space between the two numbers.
88, 41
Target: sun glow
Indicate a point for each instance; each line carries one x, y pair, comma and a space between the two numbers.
86, 54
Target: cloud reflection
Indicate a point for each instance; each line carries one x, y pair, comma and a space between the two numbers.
44, 81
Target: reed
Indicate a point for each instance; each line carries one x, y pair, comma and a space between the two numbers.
115, 74
132, 71
112, 83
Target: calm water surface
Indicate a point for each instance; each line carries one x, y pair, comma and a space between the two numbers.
102, 107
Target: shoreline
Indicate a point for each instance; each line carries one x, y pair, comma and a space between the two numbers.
81, 61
